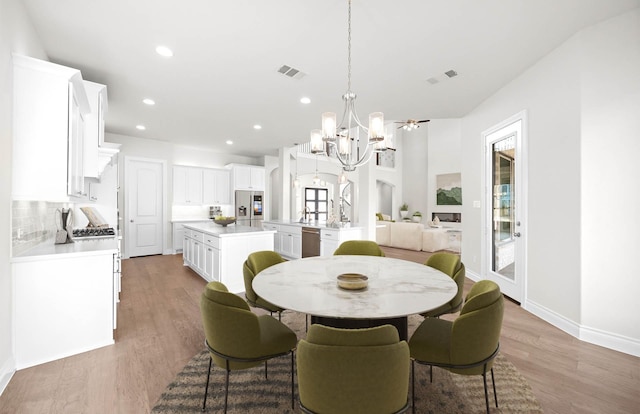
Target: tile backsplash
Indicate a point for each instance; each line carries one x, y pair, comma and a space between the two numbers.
33, 222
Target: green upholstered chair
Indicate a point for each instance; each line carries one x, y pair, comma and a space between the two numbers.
256, 263
450, 264
359, 247
353, 371
238, 338
467, 345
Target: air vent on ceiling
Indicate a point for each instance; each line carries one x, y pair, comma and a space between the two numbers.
441, 77
291, 72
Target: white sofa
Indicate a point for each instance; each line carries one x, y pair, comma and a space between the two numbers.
411, 236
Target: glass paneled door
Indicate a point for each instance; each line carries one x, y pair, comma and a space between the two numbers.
504, 218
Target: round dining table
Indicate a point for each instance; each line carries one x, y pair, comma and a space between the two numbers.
395, 289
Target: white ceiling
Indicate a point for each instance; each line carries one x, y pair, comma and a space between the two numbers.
223, 77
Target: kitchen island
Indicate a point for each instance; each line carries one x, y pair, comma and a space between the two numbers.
218, 253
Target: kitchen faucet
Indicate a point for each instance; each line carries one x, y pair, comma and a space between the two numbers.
307, 212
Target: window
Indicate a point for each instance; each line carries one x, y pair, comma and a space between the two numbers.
315, 199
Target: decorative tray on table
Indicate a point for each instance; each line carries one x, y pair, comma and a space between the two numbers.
352, 281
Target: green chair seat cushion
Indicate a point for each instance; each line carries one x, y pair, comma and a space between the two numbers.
353, 370
258, 261
359, 247
326, 335
233, 330
261, 303
218, 292
432, 341
445, 262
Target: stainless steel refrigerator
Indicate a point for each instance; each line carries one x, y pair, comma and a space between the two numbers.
249, 208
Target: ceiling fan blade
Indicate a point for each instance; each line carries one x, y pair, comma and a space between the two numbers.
424, 120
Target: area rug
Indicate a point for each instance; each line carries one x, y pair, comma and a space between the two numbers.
250, 392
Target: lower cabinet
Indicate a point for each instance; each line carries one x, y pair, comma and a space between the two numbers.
63, 306
290, 241
330, 239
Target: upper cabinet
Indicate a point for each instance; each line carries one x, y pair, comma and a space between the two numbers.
94, 128
49, 112
248, 177
215, 187
187, 185
199, 186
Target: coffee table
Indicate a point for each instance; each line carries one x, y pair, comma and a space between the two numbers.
396, 288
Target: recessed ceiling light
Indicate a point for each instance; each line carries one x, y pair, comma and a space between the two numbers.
141, 127
149, 101
164, 51
257, 126
305, 100
229, 142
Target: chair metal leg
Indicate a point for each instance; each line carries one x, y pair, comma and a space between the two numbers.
495, 394
226, 388
486, 394
292, 392
413, 386
206, 388
266, 374
430, 373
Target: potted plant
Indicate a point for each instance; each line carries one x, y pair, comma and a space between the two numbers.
417, 217
404, 210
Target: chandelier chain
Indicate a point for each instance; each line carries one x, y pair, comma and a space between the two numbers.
349, 52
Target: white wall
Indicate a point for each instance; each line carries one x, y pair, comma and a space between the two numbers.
16, 35
415, 171
610, 106
581, 111
444, 157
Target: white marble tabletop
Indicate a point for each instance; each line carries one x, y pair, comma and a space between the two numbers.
396, 287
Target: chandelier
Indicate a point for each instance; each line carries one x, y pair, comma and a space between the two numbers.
343, 140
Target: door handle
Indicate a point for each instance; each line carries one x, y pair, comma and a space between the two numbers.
516, 234
131, 221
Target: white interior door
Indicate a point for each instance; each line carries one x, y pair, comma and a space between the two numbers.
505, 216
144, 198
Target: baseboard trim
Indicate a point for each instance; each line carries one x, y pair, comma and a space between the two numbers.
610, 340
584, 333
6, 373
552, 317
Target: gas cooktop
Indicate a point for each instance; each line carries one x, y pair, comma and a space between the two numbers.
93, 233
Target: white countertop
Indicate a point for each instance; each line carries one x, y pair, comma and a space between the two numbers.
231, 230
314, 224
190, 219
396, 287
80, 247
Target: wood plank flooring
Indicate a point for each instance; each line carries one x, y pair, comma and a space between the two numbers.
159, 330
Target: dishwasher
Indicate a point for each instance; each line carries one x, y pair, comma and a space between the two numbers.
310, 242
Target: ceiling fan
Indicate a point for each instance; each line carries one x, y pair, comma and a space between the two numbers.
411, 124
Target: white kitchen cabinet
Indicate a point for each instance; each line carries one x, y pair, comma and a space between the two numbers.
212, 258
63, 306
94, 127
330, 238
187, 185
290, 241
215, 186
248, 177
178, 233
49, 107
277, 237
